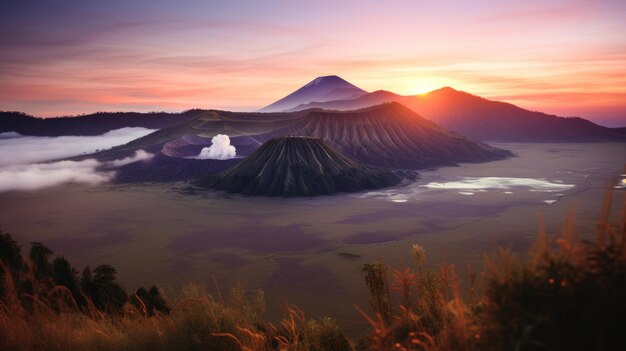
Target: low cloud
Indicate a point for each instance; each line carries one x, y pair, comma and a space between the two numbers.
41, 175
16, 149
10, 135
219, 150
140, 155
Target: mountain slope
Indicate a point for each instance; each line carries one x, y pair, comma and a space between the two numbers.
320, 89
389, 135
297, 166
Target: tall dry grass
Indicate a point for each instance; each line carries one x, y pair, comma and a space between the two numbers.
197, 322
565, 294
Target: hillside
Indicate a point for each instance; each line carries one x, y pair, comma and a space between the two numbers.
298, 166
389, 135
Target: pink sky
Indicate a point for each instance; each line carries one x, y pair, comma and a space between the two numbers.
72, 57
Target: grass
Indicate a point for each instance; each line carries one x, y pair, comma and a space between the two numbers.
565, 294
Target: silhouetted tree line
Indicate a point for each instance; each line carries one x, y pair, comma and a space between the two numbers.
54, 281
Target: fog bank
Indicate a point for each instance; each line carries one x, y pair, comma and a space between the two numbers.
41, 175
16, 149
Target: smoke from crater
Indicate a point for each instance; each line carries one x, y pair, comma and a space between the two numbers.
219, 150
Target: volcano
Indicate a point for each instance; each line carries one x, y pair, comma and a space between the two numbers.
389, 135
299, 166
320, 89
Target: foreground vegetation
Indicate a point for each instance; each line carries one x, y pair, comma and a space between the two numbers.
566, 294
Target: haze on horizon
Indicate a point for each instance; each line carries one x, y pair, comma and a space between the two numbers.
70, 57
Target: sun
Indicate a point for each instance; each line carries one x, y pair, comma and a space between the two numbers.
423, 85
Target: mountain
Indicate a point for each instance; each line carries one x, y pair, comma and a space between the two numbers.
319, 89
298, 166
88, 125
388, 135
483, 119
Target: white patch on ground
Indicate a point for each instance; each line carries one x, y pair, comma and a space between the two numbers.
519, 189
478, 183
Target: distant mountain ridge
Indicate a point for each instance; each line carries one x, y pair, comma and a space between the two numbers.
479, 118
320, 89
89, 125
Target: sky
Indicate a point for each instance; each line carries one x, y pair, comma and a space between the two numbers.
63, 57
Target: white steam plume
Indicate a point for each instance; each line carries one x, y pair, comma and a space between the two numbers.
220, 149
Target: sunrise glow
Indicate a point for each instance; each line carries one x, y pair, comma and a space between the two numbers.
562, 57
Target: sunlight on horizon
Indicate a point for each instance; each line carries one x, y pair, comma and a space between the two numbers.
555, 57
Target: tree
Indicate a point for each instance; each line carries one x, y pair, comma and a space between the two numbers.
108, 295
40, 257
149, 301
10, 252
11, 262
65, 275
